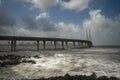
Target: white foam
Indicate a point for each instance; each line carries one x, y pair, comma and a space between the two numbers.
60, 64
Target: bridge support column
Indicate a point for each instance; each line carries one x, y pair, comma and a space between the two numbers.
87, 44
74, 44
55, 43
37, 45
12, 45
62, 44
44, 44
66, 42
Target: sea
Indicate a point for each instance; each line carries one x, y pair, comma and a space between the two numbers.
103, 61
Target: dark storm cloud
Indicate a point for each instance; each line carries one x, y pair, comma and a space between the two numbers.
30, 23
6, 23
5, 20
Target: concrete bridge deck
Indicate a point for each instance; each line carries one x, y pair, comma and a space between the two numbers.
14, 39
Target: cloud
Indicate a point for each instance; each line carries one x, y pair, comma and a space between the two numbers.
45, 27
30, 23
104, 30
68, 27
6, 23
69, 30
23, 32
44, 23
77, 5
8, 26
5, 20
43, 4
65, 31
43, 15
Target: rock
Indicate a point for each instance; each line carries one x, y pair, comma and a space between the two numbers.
9, 60
36, 56
103, 78
32, 61
93, 77
68, 77
114, 78
2, 64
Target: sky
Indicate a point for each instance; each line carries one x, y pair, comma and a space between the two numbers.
62, 19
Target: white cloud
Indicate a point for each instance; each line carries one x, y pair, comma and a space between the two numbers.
60, 29
43, 4
104, 30
69, 30
23, 32
77, 5
68, 27
43, 15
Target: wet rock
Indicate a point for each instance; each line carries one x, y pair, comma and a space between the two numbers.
103, 78
114, 78
32, 61
9, 60
68, 77
36, 56
2, 64
79, 77
93, 77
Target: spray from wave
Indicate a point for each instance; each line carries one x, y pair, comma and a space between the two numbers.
62, 63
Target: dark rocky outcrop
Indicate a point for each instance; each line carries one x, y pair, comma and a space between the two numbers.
79, 77
14, 60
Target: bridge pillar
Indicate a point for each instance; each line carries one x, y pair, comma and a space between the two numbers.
14, 45
74, 43
55, 43
37, 45
84, 44
44, 44
66, 42
78, 44
62, 44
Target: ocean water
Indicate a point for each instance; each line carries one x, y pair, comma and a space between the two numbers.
102, 61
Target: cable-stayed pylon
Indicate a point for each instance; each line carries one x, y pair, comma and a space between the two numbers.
87, 34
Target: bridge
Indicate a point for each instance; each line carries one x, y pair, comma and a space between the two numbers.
64, 42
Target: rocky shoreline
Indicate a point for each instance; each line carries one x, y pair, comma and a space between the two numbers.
76, 77
79, 77
6, 60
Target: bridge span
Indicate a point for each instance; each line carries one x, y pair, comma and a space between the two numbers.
64, 42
